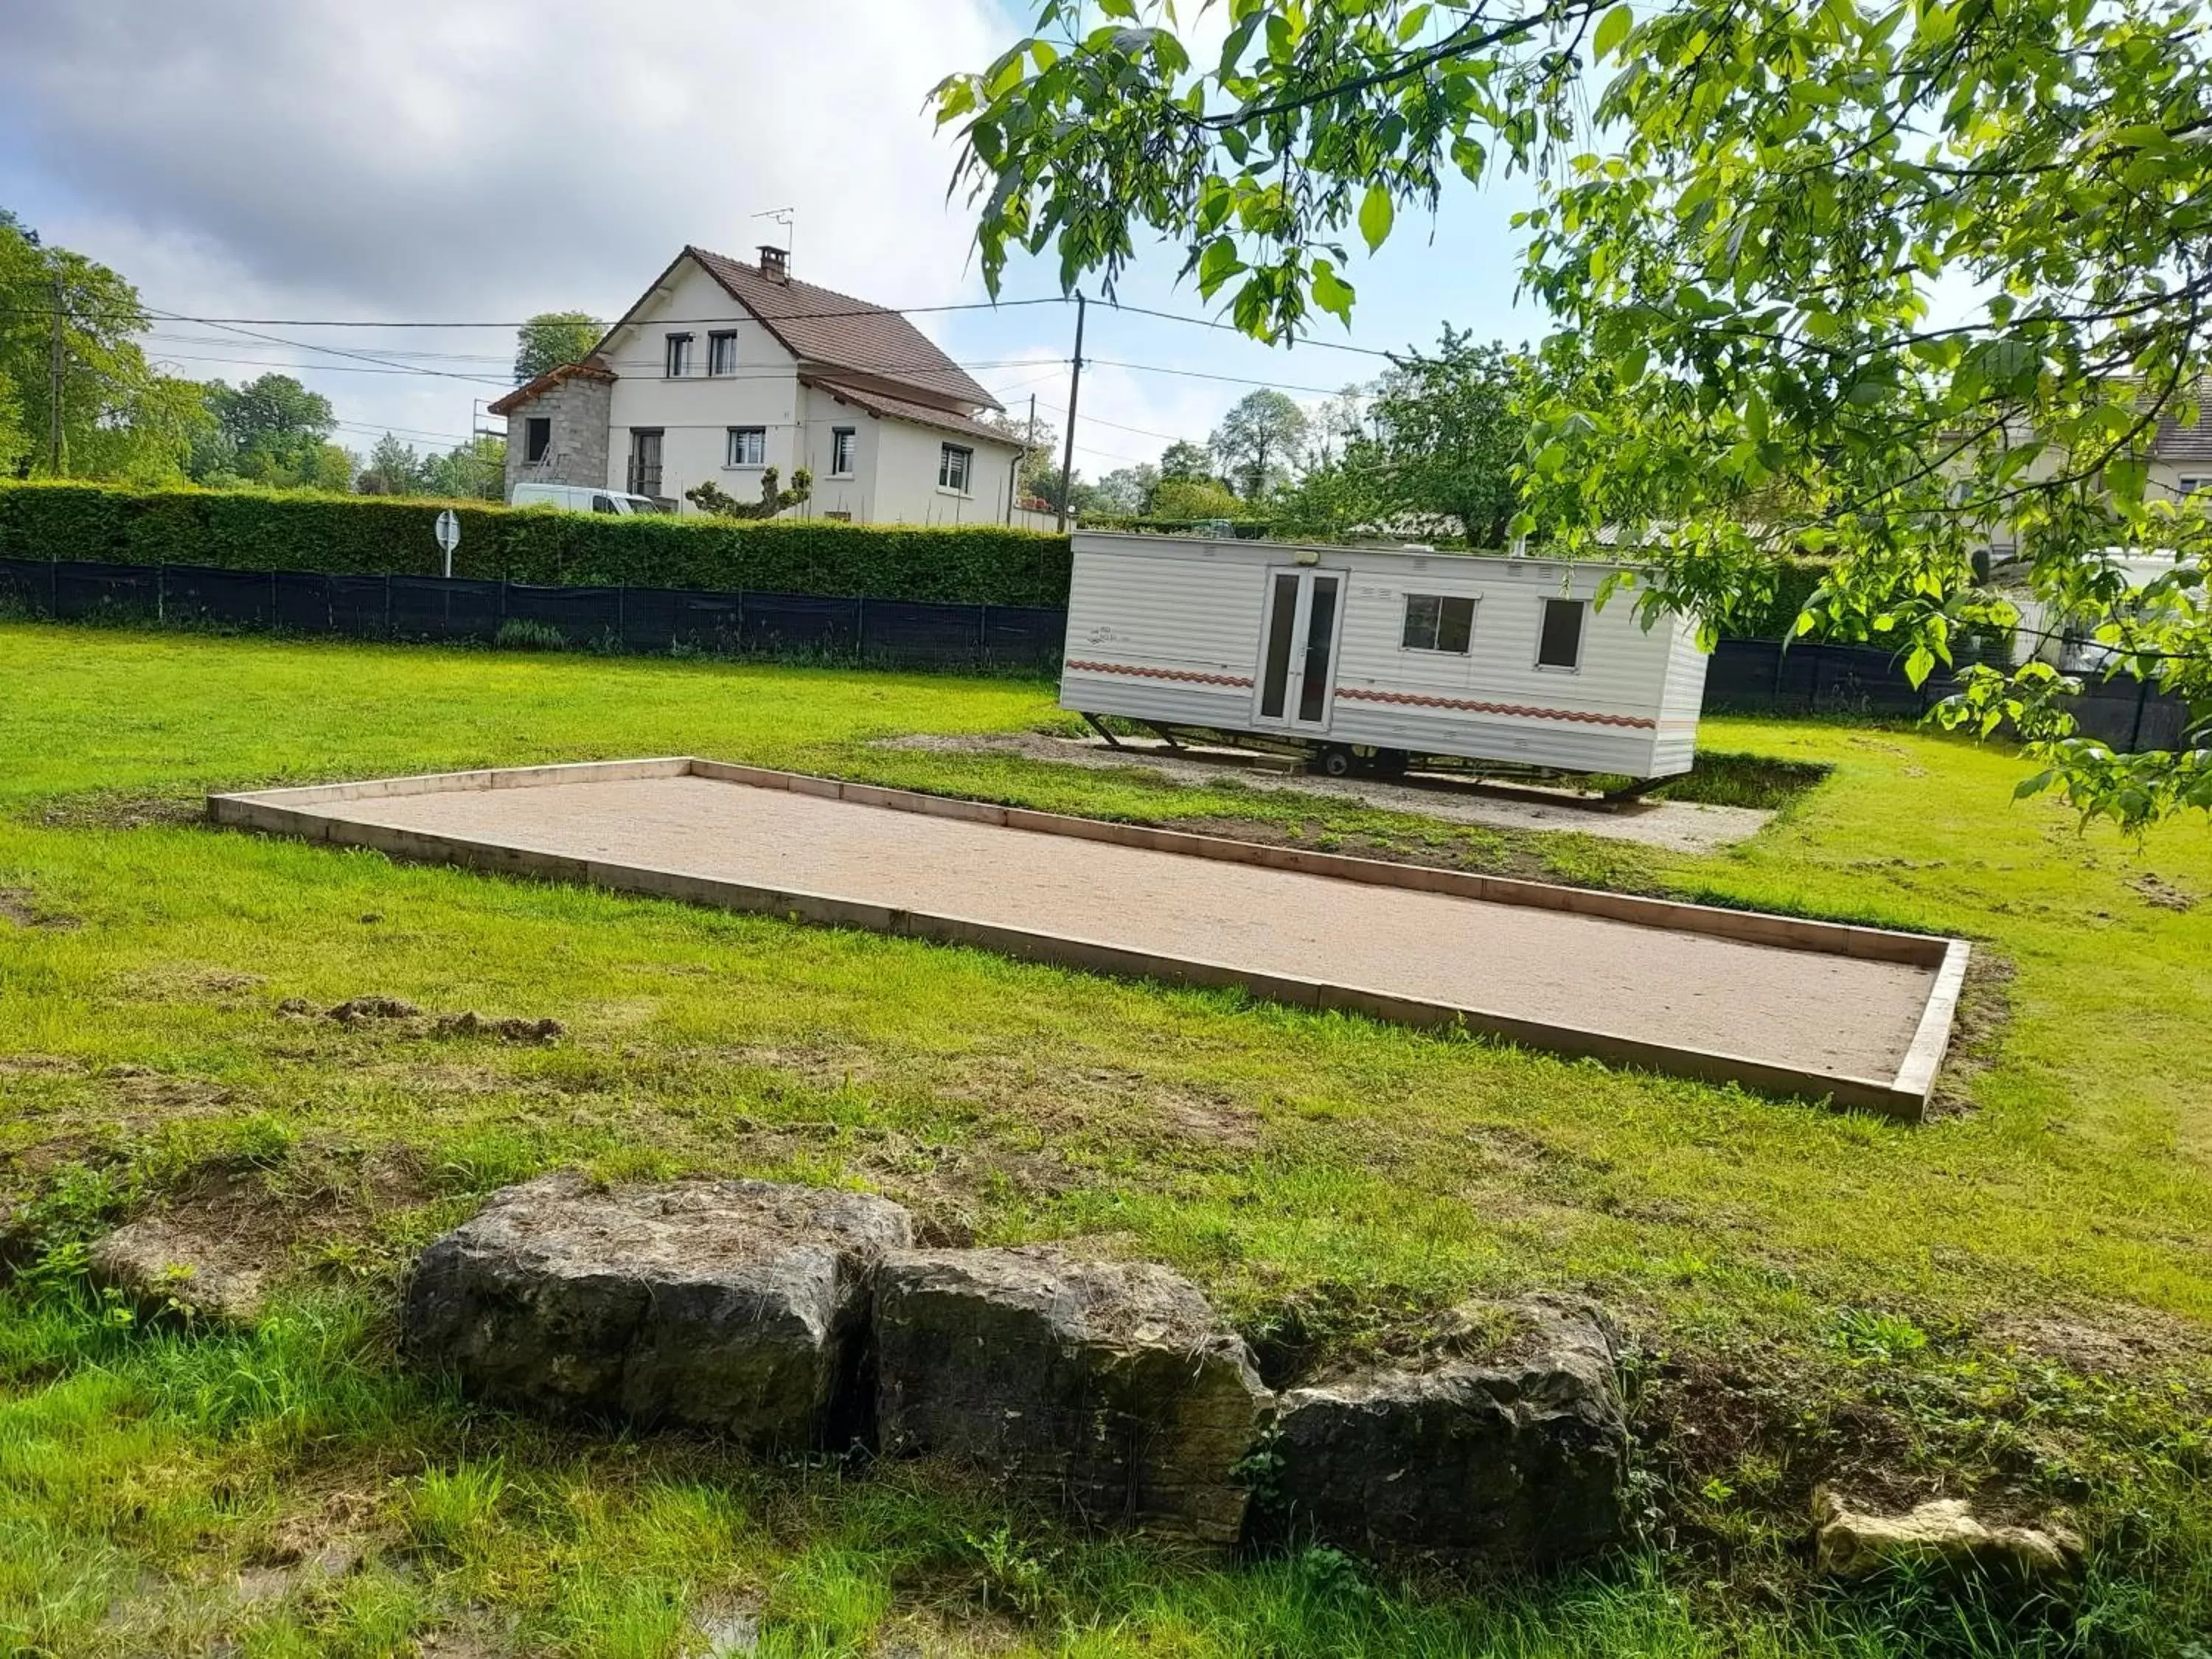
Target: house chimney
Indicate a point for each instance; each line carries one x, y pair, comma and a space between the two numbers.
776, 263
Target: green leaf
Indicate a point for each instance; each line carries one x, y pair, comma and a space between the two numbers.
1375, 214
1331, 292
1611, 30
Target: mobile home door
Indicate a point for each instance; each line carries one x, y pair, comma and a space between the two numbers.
1297, 647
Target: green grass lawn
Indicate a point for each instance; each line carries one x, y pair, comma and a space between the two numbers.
2013, 1301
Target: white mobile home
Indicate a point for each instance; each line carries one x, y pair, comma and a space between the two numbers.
1376, 656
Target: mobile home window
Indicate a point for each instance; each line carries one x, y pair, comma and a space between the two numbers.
722, 353
537, 438
748, 445
679, 356
1439, 622
1560, 645
844, 451
952, 463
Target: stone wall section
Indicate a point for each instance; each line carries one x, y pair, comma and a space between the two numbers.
579, 408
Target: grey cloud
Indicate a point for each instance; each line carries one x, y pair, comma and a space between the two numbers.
423, 158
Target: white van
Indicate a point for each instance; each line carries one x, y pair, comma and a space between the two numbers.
581, 498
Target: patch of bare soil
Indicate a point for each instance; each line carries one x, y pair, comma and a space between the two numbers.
2100, 1345
407, 1020
107, 809
1098, 1102
143, 1091
2162, 894
824, 1066
192, 981
20, 906
261, 1216
1977, 1030
29, 1065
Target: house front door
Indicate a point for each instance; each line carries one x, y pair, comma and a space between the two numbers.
645, 460
1297, 649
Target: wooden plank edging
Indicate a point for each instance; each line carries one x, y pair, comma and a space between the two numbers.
293, 812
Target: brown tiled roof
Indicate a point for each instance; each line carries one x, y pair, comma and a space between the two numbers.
825, 329
591, 368
900, 408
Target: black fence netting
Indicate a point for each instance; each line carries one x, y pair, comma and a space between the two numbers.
1744, 676
1766, 677
644, 620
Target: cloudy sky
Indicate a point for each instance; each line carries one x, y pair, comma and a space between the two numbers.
472, 162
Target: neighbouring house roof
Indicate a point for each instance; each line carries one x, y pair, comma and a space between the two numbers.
825, 329
591, 368
2177, 442
900, 408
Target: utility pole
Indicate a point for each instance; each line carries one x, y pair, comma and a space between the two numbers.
1074, 391
57, 380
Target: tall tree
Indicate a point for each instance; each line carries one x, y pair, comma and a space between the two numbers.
1449, 436
1126, 489
272, 430
117, 418
473, 470
1039, 450
1927, 269
1258, 440
393, 469
1185, 462
553, 338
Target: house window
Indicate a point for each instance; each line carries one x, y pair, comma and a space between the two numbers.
1560, 644
748, 445
679, 356
722, 353
2189, 487
645, 460
844, 451
537, 438
952, 463
1435, 622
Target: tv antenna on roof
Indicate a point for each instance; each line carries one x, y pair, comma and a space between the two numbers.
786, 216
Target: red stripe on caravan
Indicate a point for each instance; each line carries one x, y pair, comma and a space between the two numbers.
1158, 673
1361, 693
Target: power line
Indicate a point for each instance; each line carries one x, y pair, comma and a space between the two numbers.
1201, 374
322, 369
859, 309
1231, 328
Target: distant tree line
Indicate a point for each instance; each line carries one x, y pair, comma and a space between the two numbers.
118, 418
1428, 449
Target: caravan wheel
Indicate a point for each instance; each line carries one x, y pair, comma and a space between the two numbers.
1334, 761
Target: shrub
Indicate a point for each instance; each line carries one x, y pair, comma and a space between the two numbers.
241, 530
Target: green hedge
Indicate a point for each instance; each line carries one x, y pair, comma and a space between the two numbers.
980, 564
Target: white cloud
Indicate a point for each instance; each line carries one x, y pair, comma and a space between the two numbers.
485, 158
423, 157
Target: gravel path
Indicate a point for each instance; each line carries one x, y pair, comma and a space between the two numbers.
1677, 826
1837, 1015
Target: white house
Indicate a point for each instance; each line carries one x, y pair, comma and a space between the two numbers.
723, 369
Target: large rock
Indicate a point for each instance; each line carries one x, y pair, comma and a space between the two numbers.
1106, 1388
165, 1268
734, 1305
1852, 1543
1520, 1457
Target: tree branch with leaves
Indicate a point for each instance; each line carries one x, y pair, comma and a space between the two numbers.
1854, 280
